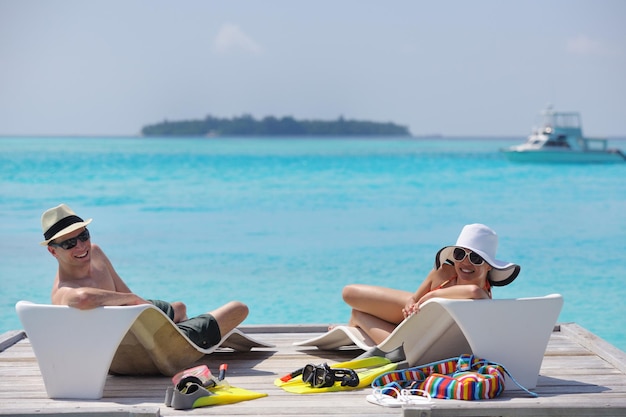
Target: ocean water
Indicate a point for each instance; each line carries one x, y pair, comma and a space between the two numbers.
283, 225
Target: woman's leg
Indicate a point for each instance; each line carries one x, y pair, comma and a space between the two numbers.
377, 329
383, 303
375, 310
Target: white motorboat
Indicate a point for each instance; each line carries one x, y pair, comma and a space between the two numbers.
560, 139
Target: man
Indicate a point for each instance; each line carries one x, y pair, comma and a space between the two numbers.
86, 279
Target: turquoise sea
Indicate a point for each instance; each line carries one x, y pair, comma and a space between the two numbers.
284, 224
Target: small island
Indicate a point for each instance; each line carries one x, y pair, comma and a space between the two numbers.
247, 125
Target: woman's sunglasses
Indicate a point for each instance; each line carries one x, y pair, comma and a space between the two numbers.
460, 254
73, 241
321, 376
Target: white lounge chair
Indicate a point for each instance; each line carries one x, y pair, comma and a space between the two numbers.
512, 332
76, 349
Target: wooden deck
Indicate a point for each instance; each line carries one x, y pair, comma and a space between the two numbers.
581, 375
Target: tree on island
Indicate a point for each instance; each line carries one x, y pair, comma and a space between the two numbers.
247, 125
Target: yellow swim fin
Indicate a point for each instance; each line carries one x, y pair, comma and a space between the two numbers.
367, 370
370, 362
195, 395
227, 395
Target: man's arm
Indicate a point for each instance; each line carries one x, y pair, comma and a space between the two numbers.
86, 298
118, 282
101, 287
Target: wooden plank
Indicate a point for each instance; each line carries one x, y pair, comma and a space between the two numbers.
574, 381
597, 345
584, 410
9, 338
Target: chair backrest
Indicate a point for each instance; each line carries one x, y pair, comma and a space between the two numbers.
74, 348
512, 332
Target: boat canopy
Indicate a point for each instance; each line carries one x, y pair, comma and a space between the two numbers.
568, 123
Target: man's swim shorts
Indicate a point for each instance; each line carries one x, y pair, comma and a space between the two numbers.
203, 330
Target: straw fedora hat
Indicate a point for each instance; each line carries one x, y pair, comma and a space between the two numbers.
59, 221
484, 241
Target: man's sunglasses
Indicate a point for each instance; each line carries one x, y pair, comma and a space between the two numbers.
73, 241
459, 254
321, 376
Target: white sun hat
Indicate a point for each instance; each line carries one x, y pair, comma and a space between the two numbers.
484, 241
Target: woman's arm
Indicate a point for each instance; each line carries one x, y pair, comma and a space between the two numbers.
435, 278
466, 292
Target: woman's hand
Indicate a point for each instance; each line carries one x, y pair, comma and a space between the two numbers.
410, 308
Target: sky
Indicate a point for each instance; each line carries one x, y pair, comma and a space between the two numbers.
449, 67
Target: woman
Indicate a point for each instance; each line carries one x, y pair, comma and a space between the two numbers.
466, 270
